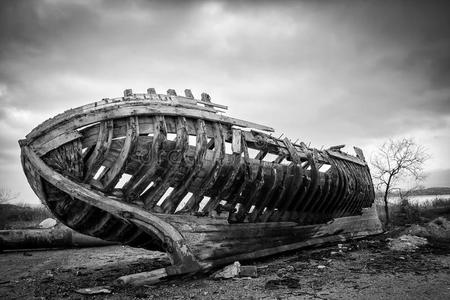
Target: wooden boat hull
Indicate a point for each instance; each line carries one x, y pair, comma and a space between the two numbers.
170, 173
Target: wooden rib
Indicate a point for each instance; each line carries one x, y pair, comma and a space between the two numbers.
362, 190
370, 194
355, 189
256, 192
340, 190
34, 179
253, 217
225, 191
352, 189
316, 214
211, 177
104, 139
261, 154
179, 192
364, 185
333, 181
144, 176
241, 195
113, 175
313, 186
293, 191
329, 185
358, 189
344, 192
276, 201
175, 163
302, 194
335, 198
284, 196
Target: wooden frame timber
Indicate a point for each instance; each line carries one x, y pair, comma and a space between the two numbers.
172, 173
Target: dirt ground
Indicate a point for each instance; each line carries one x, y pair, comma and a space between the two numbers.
364, 269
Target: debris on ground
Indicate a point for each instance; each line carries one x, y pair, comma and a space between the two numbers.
95, 290
407, 243
229, 271
366, 269
47, 276
439, 228
236, 270
48, 223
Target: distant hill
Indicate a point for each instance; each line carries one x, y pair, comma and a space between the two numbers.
426, 191
432, 191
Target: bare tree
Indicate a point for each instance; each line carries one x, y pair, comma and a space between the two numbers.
6, 195
395, 160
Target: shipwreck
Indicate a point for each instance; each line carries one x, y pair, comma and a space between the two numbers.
173, 173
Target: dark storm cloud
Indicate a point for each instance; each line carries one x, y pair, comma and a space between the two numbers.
326, 72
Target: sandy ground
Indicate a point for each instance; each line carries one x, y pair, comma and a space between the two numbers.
365, 269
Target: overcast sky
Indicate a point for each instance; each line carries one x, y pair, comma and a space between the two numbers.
352, 72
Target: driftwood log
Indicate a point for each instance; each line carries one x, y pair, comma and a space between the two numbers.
47, 238
172, 173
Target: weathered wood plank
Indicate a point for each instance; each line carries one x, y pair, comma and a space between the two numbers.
80, 117
57, 141
344, 156
350, 228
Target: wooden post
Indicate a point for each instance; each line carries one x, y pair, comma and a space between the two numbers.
128, 93
188, 94
171, 92
236, 145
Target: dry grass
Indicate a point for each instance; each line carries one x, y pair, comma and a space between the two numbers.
406, 212
21, 217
